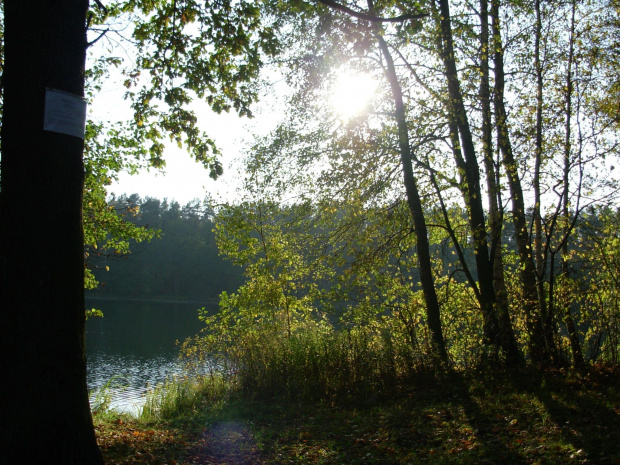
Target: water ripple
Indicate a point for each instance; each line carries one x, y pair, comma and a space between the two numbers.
127, 378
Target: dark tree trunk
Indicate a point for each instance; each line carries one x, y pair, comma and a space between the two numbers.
536, 342
573, 337
471, 189
508, 338
541, 251
417, 211
527, 269
45, 415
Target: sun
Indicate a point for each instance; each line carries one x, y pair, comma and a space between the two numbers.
351, 94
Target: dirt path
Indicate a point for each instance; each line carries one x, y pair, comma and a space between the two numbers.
226, 443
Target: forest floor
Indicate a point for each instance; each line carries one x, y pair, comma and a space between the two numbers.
529, 418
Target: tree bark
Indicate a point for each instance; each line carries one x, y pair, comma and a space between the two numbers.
471, 190
541, 257
495, 214
416, 209
527, 270
573, 337
45, 410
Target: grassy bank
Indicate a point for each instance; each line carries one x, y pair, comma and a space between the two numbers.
518, 418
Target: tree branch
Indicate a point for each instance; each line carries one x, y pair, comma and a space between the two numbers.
369, 17
89, 44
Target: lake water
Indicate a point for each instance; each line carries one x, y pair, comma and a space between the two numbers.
135, 346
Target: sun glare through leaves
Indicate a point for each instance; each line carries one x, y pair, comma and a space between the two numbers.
352, 94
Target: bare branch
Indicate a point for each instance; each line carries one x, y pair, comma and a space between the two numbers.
103, 33
369, 17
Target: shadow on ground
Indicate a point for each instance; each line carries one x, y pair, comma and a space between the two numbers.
522, 418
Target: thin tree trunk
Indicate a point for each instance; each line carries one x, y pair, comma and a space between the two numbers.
541, 258
509, 341
568, 317
45, 415
538, 246
530, 302
471, 189
416, 209
413, 197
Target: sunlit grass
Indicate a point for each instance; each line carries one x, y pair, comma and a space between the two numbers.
101, 397
183, 397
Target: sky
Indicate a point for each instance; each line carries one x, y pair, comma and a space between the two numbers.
184, 180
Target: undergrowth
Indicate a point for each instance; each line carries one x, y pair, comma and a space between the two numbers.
362, 396
519, 417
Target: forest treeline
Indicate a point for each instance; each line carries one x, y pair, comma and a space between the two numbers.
351, 267
176, 256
